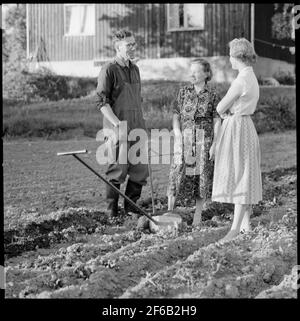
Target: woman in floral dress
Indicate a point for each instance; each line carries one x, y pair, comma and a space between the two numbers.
196, 124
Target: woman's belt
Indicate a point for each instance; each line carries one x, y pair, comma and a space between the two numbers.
227, 115
203, 120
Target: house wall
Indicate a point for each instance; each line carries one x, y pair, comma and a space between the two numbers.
163, 54
223, 22
46, 22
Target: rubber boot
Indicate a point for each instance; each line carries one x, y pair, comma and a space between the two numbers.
112, 198
133, 191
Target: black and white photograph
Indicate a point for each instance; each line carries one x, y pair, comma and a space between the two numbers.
149, 152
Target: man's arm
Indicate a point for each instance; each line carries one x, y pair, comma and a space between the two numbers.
109, 114
104, 89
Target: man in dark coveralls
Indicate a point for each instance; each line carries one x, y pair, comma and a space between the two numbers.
119, 99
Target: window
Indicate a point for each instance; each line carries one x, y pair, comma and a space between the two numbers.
185, 16
79, 19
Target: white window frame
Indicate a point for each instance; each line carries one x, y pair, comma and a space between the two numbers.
185, 27
65, 20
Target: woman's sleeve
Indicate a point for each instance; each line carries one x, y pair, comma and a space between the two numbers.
234, 92
177, 103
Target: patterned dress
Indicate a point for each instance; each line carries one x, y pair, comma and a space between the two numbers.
188, 179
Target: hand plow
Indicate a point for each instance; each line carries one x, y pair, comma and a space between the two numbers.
157, 222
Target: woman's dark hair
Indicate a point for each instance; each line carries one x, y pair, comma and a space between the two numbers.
206, 67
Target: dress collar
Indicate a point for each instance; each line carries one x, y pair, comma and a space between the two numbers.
204, 89
245, 69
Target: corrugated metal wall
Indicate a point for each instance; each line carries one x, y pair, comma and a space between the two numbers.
223, 22
47, 22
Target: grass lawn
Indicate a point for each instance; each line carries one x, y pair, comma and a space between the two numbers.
66, 119
278, 150
36, 180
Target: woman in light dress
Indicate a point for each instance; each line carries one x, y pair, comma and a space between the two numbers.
237, 174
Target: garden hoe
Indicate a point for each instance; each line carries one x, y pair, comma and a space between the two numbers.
156, 223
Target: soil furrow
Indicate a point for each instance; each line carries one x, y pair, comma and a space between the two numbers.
61, 226
114, 272
49, 267
241, 268
80, 252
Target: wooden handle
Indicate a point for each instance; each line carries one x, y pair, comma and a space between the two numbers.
84, 151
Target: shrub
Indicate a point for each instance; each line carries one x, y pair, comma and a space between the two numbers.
285, 78
48, 85
17, 86
275, 114
267, 81
44, 85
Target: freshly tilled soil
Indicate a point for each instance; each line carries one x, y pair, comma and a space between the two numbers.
82, 253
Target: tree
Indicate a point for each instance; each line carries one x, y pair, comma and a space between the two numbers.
14, 37
5, 52
282, 21
15, 76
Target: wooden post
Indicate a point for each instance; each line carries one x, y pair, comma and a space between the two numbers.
293, 23
252, 23
27, 30
146, 46
158, 35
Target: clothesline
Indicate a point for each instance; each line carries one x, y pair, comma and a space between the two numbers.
273, 44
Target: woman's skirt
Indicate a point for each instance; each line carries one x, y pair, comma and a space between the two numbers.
237, 174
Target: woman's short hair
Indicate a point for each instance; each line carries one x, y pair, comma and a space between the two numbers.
206, 67
242, 49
